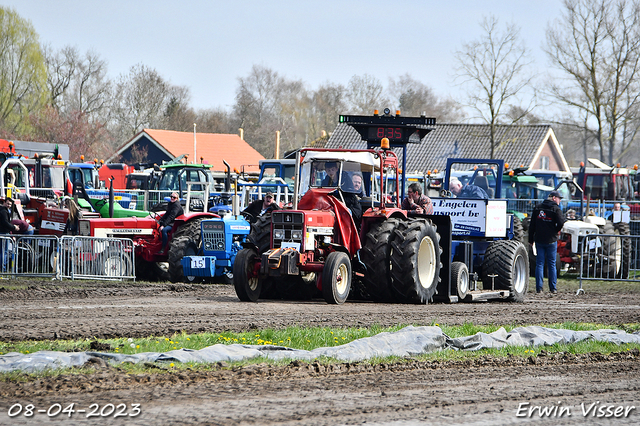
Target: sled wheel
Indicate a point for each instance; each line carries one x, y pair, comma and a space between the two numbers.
460, 277
508, 260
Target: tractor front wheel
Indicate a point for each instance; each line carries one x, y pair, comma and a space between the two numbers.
246, 281
336, 278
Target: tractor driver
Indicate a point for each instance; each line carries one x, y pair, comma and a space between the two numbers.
331, 179
261, 207
174, 209
466, 191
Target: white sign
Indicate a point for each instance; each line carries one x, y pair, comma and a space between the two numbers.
197, 262
290, 245
467, 216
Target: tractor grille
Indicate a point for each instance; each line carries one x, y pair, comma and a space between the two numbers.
287, 227
213, 236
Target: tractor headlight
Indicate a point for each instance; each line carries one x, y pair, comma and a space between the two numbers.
278, 234
220, 245
296, 235
208, 245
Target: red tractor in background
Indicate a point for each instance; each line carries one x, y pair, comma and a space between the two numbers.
147, 240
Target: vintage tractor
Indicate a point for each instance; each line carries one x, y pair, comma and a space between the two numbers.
220, 241
325, 245
148, 240
316, 246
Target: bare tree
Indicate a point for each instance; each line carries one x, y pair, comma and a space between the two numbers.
267, 102
414, 98
596, 45
495, 70
326, 105
365, 94
78, 83
140, 101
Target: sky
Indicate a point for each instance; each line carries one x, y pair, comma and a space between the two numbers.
207, 45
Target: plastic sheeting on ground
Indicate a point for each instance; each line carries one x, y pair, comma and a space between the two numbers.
409, 341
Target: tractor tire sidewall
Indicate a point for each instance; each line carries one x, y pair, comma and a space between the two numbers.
376, 255
260, 234
248, 287
460, 279
186, 234
623, 228
415, 261
510, 262
336, 278
191, 249
518, 230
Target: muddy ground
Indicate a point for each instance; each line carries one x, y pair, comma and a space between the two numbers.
479, 391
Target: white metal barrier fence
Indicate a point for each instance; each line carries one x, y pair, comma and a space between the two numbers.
71, 257
609, 257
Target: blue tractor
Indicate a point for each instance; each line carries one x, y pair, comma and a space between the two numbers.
221, 240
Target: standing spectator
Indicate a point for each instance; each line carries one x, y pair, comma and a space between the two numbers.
174, 209
466, 191
261, 207
6, 227
415, 201
546, 223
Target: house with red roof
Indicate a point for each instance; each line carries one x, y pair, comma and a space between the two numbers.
158, 146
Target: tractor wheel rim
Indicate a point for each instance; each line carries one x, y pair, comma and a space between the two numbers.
426, 262
342, 279
464, 281
520, 274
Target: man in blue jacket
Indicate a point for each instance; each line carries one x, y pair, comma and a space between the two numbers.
546, 222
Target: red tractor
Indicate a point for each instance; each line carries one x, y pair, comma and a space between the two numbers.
147, 241
326, 245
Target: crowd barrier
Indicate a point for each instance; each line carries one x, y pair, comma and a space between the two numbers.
71, 257
609, 257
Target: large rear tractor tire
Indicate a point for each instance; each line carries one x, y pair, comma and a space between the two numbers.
375, 254
518, 230
260, 234
509, 262
188, 233
336, 278
191, 250
246, 281
617, 250
415, 261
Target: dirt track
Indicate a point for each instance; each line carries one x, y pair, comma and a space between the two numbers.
484, 391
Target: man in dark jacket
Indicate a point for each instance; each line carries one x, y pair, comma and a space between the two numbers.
546, 222
6, 227
174, 209
261, 207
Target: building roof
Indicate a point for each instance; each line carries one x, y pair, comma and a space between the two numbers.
520, 145
213, 148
